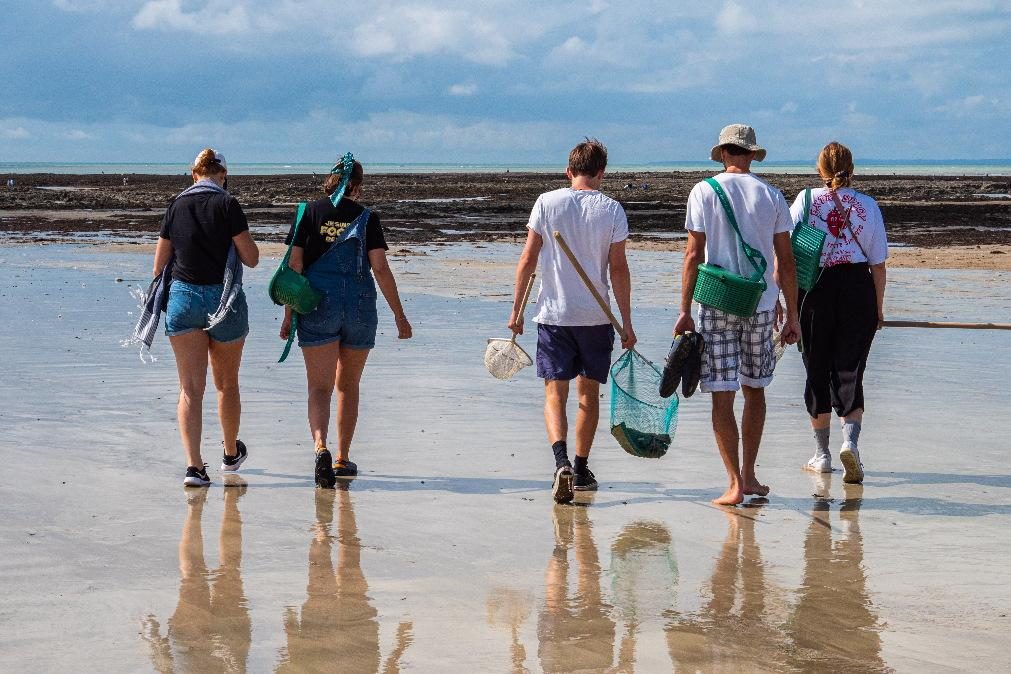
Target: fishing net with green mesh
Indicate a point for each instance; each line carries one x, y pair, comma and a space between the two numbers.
642, 422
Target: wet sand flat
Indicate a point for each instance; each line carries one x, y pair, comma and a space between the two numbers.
447, 554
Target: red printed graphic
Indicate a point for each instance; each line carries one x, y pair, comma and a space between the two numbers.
834, 222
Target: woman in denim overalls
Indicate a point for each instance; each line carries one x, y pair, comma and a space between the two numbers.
347, 260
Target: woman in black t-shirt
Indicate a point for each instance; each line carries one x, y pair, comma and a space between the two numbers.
203, 244
342, 252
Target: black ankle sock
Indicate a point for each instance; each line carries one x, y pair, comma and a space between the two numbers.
580, 465
561, 451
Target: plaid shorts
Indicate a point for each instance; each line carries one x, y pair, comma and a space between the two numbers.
738, 350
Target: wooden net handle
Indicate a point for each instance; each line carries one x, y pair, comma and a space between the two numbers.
526, 298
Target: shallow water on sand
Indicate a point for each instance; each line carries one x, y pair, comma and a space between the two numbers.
447, 554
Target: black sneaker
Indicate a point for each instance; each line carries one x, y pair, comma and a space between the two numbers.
345, 470
196, 477
561, 488
233, 462
585, 481
324, 469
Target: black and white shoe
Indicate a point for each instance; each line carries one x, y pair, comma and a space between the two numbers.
324, 469
561, 488
585, 481
233, 462
196, 477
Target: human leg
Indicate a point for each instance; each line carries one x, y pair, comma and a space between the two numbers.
191, 365
752, 426
556, 395
727, 440
588, 416
321, 376
350, 365
225, 358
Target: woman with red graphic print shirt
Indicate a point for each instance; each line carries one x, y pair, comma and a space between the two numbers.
841, 313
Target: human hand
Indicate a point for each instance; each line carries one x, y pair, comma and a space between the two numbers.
286, 326
404, 330
685, 323
791, 332
780, 315
881, 319
516, 323
628, 340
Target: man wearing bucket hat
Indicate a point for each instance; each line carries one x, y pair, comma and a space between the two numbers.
736, 224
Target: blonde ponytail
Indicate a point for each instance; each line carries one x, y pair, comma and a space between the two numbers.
835, 165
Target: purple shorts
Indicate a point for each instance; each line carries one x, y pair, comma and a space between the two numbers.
567, 351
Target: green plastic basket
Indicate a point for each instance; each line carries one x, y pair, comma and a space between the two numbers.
720, 289
289, 287
807, 242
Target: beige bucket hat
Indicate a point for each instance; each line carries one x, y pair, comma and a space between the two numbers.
740, 135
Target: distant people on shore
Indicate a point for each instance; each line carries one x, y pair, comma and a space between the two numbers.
840, 315
10, 183
203, 244
574, 336
739, 351
340, 248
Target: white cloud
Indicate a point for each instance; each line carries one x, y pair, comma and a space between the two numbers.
463, 89
214, 18
788, 107
16, 133
403, 32
734, 19
77, 134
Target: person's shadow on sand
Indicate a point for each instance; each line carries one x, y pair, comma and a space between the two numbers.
210, 630
337, 629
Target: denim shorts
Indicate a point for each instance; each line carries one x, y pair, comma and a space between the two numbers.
190, 304
567, 351
345, 317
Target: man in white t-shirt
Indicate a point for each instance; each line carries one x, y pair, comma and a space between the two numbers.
574, 335
739, 351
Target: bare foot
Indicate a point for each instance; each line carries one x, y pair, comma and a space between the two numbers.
732, 496
755, 488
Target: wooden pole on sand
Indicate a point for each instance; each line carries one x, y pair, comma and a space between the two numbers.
944, 324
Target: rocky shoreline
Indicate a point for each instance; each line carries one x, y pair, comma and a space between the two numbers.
920, 211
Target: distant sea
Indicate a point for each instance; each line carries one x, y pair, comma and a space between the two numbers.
990, 167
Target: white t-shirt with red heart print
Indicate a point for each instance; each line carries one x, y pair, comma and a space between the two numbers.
866, 226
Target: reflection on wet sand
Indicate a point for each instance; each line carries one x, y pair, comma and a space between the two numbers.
644, 580
744, 627
337, 629
511, 608
210, 630
574, 629
733, 631
834, 627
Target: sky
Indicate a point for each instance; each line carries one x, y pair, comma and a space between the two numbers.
500, 81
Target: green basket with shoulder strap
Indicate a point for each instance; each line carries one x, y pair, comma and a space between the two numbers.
724, 290
808, 242
287, 286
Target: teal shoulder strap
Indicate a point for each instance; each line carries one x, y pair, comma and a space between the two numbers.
807, 206
284, 263
754, 256
294, 235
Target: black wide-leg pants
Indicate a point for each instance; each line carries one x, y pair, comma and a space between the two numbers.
838, 320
